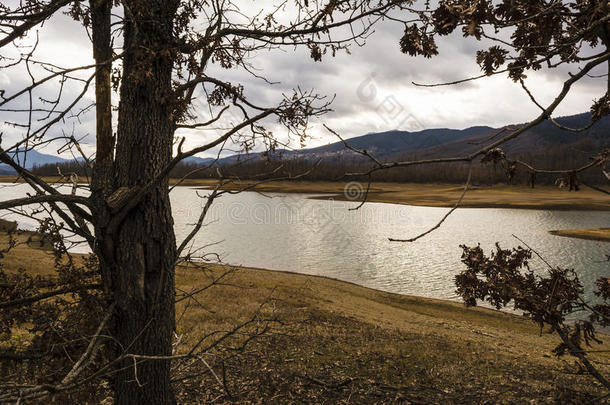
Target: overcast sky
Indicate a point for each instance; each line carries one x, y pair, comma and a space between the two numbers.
372, 87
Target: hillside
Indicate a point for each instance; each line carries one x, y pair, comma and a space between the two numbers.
336, 342
392, 142
546, 145
34, 159
31, 159
536, 141
537, 144
452, 142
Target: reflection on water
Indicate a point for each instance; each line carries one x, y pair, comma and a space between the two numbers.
292, 232
323, 237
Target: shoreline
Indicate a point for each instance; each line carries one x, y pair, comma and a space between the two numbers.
595, 234
41, 255
438, 195
433, 195
421, 194
31, 245
330, 328
35, 244
36, 247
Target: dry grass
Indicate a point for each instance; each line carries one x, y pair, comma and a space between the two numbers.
30, 252
392, 347
432, 195
446, 195
600, 234
339, 342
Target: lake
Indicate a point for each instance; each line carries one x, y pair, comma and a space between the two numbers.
293, 232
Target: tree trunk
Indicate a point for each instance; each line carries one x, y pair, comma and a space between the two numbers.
143, 245
102, 177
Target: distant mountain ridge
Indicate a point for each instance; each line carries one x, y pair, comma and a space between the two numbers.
34, 158
428, 143
444, 142
30, 159
536, 141
381, 144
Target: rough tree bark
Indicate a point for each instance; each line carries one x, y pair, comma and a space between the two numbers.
130, 207
101, 181
137, 252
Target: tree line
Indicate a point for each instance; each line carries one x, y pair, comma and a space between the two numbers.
273, 167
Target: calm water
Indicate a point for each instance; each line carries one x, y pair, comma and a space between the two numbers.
295, 233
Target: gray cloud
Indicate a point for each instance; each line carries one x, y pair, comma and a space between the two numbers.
379, 65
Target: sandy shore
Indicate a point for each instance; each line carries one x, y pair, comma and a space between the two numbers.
434, 351
599, 234
433, 195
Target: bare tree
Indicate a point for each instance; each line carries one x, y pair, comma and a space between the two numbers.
159, 56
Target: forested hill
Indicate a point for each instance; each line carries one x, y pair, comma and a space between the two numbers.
392, 142
540, 141
452, 142
442, 142
546, 146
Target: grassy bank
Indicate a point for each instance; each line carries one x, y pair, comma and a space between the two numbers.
339, 342
599, 234
440, 195
432, 195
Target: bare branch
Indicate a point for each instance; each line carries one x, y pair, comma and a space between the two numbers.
36, 199
438, 225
